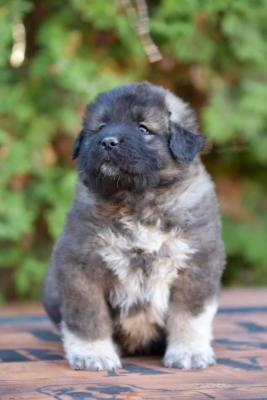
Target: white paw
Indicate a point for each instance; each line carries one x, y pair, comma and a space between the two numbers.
186, 358
93, 355
94, 362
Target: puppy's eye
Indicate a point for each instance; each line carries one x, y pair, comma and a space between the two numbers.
143, 129
100, 126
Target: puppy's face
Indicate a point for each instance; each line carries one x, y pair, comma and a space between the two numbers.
135, 137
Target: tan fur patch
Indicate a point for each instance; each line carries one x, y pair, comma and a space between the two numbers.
176, 107
138, 330
195, 188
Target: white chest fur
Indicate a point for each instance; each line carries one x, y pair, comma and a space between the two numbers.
136, 286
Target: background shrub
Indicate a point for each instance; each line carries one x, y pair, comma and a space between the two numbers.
214, 54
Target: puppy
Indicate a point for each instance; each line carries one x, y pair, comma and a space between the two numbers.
137, 267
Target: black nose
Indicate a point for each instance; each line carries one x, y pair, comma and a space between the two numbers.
109, 142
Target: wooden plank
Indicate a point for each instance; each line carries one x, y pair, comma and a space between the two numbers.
33, 366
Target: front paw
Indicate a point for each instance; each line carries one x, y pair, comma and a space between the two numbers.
94, 362
184, 357
94, 355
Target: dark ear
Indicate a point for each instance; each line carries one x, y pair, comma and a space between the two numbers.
77, 144
185, 145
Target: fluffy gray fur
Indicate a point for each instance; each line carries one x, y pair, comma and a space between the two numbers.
137, 267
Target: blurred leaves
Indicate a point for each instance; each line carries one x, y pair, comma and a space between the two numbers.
214, 55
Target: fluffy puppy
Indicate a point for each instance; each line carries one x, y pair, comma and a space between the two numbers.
137, 267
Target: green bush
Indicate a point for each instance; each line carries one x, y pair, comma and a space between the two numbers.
214, 54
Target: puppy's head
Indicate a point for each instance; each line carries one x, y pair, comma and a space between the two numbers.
135, 137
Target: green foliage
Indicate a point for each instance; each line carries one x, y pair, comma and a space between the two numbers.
214, 55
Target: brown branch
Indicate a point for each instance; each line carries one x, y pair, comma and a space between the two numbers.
139, 19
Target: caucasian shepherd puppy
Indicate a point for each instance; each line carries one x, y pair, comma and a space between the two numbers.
137, 267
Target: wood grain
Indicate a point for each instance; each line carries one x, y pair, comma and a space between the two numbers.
32, 365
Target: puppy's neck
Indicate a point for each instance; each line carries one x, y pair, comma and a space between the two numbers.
131, 201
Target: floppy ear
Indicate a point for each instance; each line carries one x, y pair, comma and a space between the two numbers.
185, 145
76, 146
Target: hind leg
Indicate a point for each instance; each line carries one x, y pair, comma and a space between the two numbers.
51, 300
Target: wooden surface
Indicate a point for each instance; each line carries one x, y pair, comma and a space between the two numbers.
32, 364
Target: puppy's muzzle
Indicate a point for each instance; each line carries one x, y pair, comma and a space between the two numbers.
108, 143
